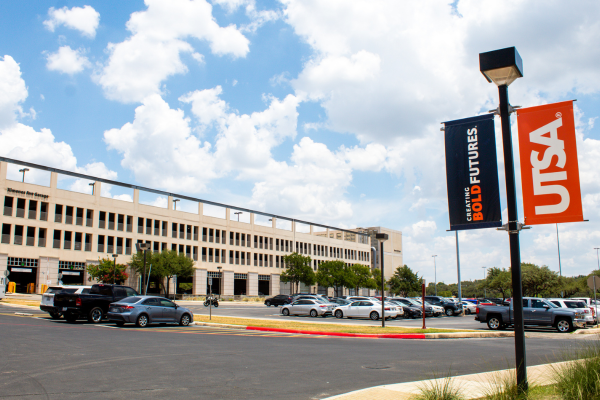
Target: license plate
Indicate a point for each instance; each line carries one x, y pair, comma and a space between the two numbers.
64, 309
113, 309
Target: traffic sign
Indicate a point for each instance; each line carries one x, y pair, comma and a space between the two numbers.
209, 281
6, 272
591, 282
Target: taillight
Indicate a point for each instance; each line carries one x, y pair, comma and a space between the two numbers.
386, 309
319, 306
127, 307
476, 310
78, 302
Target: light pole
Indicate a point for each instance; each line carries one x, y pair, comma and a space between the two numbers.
175, 203
115, 267
435, 273
23, 171
484, 278
221, 283
382, 237
503, 67
238, 214
143, 247
558, 246
93, 185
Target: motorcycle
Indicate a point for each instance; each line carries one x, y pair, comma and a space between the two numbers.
213, 300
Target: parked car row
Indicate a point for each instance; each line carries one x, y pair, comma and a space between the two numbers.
119, 304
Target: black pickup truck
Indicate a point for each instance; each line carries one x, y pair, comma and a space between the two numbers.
93, 305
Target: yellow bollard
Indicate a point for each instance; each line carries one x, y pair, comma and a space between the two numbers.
44, 288
31, 288
11, 287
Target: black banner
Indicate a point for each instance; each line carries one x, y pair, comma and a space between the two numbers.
472, 173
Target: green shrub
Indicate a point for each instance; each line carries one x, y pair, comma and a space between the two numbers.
580, 379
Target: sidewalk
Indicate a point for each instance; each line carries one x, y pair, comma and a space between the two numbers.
472, 386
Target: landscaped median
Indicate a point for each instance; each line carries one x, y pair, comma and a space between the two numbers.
375, 332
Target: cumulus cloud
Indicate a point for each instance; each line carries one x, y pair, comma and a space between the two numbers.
83, 19
67, 61
138, 65
22, 142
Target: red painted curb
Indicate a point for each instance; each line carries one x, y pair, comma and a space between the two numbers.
358, 335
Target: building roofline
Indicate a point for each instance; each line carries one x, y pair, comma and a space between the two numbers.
164, 193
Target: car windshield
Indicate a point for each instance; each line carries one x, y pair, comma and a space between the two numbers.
550, 304
130, 300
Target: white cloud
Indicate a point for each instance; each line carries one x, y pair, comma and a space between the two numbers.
67, 61
257, 17
84, 19
369, 158
13, 91
22, 142
137, 66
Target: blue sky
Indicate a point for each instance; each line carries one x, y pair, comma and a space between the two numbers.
325, 111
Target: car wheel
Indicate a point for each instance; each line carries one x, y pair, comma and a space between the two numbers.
55, 315
339, 314
285, 312
142, 321
216, 305
70, 318
120, 323
494, 323
206, 304
314, 313
268, 303
564, 326
95, 315
374, 315
185, 320
449, 312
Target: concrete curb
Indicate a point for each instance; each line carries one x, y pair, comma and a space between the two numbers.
20, 306
591, 331
453, 335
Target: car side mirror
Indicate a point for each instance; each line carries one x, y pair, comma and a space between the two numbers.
546, 306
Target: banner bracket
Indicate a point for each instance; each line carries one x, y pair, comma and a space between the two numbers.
520, 227
511, 109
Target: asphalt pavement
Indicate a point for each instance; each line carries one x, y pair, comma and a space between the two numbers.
46, 359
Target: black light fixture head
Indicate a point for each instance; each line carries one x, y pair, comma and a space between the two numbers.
502, 66
381, 236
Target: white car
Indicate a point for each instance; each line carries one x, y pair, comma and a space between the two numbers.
591, 305
577, 305
311, 307
47, 303
469, 307
367, 309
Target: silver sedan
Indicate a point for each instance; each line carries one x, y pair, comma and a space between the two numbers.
144, 310
311, 307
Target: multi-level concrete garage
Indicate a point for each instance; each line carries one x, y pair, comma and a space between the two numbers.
47, 230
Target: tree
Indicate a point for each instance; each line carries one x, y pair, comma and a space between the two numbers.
539, 280
377, 277
165, 265
499, 280
105, 271
298, 270
359, 276
404, 281
333, 274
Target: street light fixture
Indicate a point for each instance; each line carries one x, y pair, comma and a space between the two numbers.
143, 247
221, 281
175, 203
115, 267
597, 256
238, 214
382, 237
93, 185
502, 67
23, 171
484, 278
435, 272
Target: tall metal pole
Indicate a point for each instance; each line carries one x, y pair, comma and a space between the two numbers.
558, 246
513, 238
595, 300
382, 290
114, 269
458, 271
144, 276
435, 273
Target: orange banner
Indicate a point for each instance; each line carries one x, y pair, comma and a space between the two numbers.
549, 168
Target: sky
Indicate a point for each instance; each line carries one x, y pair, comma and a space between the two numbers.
326, 111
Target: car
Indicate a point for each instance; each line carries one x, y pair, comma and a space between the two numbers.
312, 307
591, 303
145, 310
365, 309
278, 300
578, 305
450, 307
93, 305
430, 311
340, 301
47, 303
469, 307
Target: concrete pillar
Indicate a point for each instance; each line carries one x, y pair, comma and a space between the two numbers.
136, 196
3, 170
227, 214
274, 285
252, 284
274, 222
3, 259
251, 218
200, 209
47, 272
311, 229
227, 283
53, 180
169, 202
131, 281
199, 288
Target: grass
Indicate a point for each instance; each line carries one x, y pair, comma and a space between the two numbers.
321, 327
580, 380
32, 303
440, 389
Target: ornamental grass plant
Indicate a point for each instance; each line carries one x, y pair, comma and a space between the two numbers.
580, 379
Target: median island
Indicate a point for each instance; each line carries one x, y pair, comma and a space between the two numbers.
320, 327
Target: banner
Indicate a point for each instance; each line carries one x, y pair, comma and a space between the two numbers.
472, 173
549, 168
